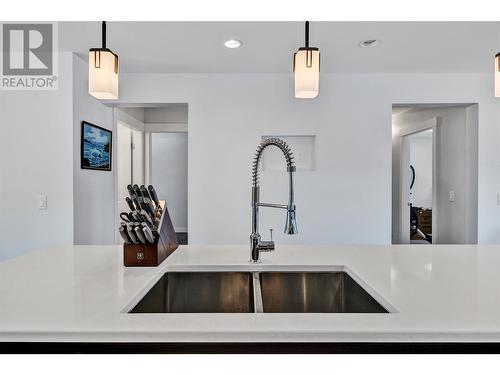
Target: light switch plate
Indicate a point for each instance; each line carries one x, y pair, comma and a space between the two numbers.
42, 202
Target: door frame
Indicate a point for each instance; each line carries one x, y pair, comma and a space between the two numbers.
404, 189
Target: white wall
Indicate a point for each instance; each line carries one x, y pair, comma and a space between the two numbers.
228, 114
138, 157
421, 160
36, 157
348, 198
172, 113
169, 174
94, 203
136, 113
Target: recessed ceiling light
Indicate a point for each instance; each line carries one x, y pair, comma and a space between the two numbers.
232, 43
369, 43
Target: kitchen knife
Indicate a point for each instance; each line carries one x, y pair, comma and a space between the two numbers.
132, 235
136, 216
131, 191
140, 234
145, 206
150, 208
130, 203
154, 196
148, 234
145, 192
138, 193
146, 218
136, 204
124, 234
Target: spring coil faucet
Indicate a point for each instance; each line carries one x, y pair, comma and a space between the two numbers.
257, 246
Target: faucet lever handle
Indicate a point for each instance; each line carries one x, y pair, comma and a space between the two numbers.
266, 246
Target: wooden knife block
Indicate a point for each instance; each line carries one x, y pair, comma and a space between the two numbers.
151, 255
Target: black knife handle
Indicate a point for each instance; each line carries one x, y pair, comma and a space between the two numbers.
130, 203
154, 196
136, 216
147, 207
144, 192
138, 193
130, 190
136, 204
146, 218
150, 207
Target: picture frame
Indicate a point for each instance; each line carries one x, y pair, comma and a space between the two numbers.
96, 147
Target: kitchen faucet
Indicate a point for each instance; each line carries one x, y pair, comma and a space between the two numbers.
257, 246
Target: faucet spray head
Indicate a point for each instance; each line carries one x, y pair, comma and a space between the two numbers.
291, 222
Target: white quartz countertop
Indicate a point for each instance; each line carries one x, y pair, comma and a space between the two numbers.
82, 293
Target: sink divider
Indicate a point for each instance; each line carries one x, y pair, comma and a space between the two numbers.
257, 293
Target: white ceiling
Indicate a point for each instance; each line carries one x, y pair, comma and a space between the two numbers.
197, 47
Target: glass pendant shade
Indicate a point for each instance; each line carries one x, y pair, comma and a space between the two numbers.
497, 75
103, 74
306, 70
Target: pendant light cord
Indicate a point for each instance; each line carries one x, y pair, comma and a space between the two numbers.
103, 34
307, 34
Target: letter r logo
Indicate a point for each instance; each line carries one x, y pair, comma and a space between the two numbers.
27, 49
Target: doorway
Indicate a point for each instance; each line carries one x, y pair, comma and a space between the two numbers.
168, 171
152, 149
417, 170
167, 160
434, 174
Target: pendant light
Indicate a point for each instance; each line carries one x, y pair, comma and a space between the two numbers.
497, 75
103, 71
306, 70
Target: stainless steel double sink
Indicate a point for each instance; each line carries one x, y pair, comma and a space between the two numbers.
257, 292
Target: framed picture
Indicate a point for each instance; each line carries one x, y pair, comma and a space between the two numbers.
95, 147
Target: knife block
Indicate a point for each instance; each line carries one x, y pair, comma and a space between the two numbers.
151, 255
